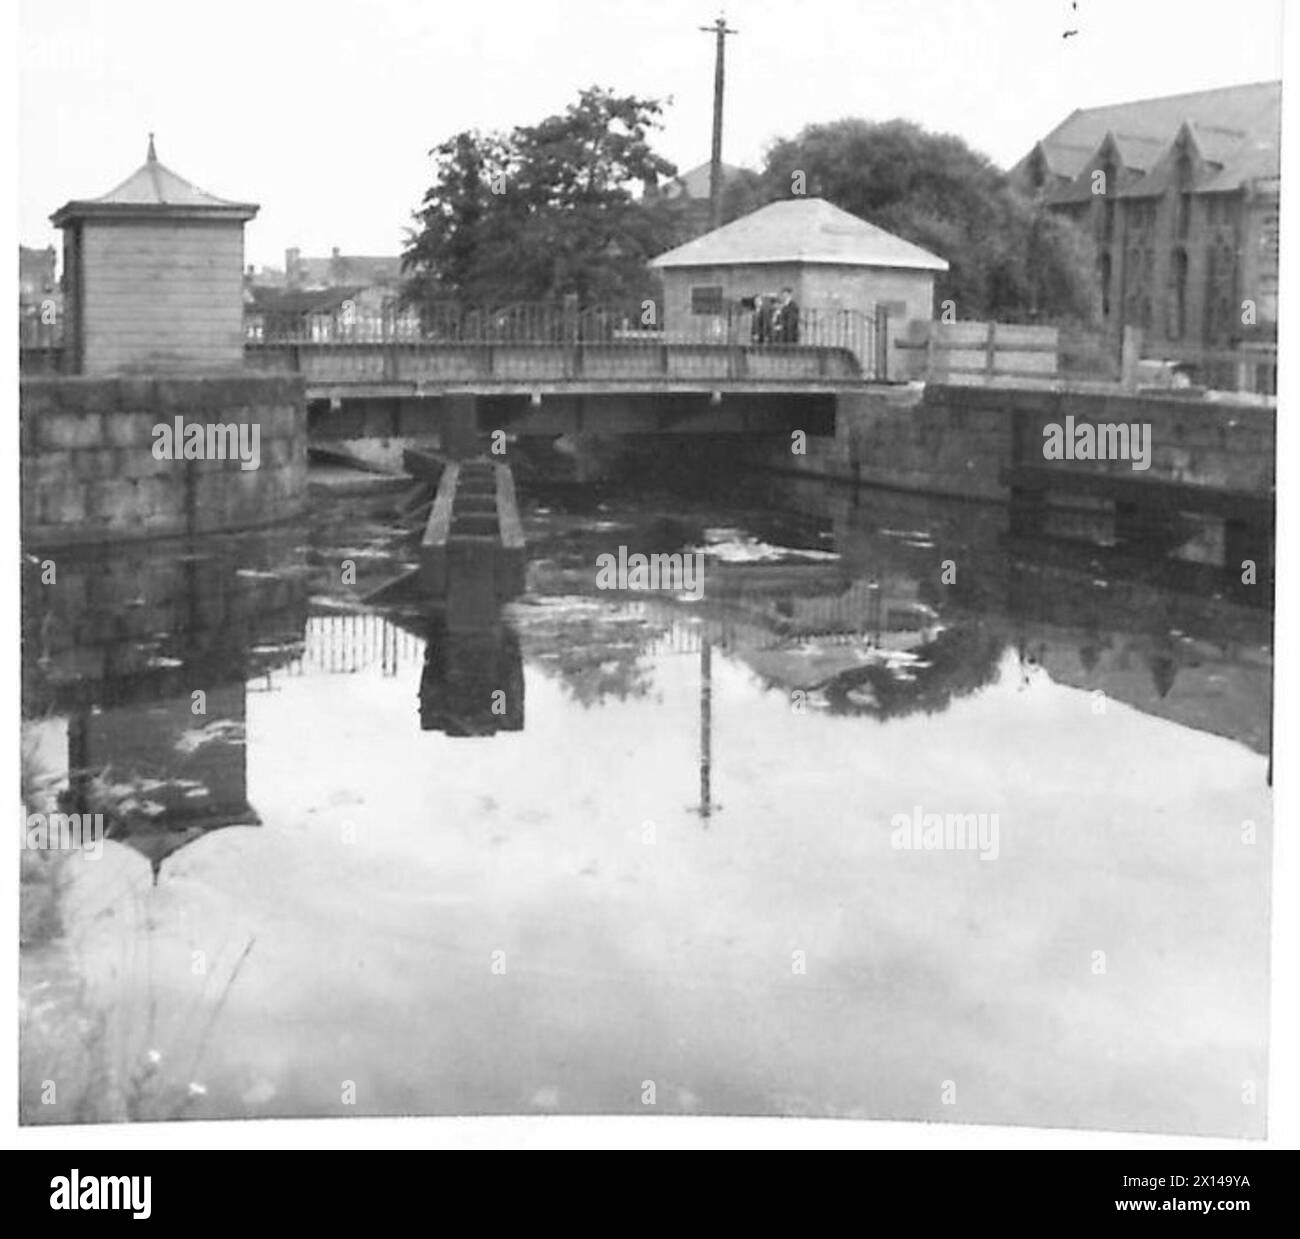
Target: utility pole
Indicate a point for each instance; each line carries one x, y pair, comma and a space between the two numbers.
720, 30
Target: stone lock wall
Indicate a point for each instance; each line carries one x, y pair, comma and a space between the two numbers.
89, 473
955, 440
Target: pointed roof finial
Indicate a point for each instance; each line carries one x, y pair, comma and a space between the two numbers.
153, 154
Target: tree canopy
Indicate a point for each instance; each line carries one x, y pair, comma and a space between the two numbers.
545, 210
557, 208
1008, 260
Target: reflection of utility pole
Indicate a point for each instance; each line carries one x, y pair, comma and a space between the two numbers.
706, 726
720, 30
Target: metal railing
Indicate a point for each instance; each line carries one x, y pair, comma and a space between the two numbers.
551, 323
551, 340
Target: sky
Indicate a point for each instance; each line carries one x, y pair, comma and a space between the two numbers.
324, 112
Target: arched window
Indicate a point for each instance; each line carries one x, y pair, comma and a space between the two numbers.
1184, 179
1178, 301
1108, 202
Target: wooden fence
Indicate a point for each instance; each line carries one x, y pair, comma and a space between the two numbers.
980, 352
977, 352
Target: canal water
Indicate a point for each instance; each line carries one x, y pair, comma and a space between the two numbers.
621, 852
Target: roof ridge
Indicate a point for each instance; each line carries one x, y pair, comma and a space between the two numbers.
1187, 94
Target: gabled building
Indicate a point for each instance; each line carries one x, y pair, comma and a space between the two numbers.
1180, 195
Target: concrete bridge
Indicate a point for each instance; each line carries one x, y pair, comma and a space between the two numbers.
341, 369
388, 388
416, 388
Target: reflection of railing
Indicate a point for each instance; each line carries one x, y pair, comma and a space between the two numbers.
341, 644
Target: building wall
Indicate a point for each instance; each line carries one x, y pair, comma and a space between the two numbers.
908, 296
1231, 249
89, 473
162, 296
820, 285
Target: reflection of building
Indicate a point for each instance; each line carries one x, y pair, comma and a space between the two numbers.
147, 658
1180, 195
161, 774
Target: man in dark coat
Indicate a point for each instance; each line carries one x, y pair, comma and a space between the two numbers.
785, 322
762, 329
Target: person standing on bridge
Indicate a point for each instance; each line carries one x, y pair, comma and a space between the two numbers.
762, 329
785, 322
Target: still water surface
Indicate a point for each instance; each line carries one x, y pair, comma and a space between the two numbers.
616, 840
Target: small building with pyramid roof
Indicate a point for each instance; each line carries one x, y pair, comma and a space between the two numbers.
153, 276
829, 259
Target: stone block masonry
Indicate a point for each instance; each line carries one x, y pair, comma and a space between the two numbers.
956, 440
90, 473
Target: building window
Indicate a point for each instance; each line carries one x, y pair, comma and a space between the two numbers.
706, 299
1178, 306
1183, 222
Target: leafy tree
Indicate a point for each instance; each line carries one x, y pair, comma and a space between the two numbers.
1007, 260
545, 211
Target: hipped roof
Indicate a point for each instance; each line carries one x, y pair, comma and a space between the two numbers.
153, 190
800, 230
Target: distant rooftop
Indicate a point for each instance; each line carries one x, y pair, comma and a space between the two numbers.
809, 230
1237, 128
694, 183
153, 189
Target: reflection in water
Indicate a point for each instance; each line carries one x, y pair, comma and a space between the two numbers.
472, 683
706, 728
828, 679
141, 661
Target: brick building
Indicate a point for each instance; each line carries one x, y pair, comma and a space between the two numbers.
1180, 195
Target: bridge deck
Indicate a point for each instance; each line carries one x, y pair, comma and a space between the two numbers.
432, 368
